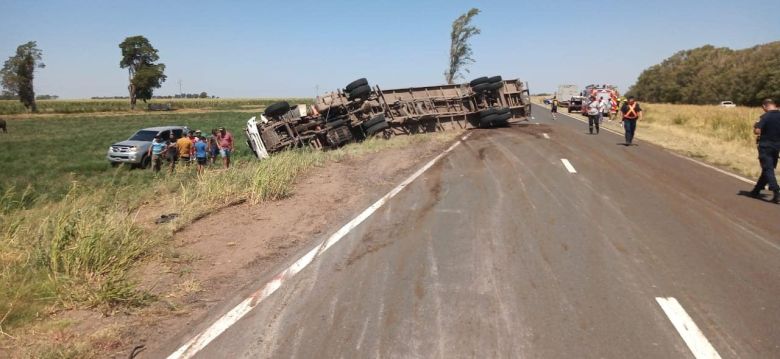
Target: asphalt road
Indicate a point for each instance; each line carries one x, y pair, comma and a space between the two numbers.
499, 251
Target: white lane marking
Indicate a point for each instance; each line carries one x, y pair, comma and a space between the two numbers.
727, 173
546, 136
200, 341
568, 165
693, 337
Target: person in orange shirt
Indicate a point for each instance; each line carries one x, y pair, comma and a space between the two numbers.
185, 147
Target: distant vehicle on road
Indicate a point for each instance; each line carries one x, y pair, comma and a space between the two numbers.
547, 101
134, 150
566, 92
575, 103
727, 104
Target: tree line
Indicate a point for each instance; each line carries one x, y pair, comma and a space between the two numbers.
709, 74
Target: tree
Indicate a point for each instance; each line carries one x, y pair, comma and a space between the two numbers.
460, 49
203, 95
18, 73
139, 57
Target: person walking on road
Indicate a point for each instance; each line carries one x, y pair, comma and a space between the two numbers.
594, 112
768, 131
155, 153
554, 107
225, 143
632, 112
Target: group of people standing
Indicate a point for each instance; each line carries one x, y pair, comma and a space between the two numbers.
192, 147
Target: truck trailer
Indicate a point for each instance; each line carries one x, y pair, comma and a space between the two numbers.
360, 111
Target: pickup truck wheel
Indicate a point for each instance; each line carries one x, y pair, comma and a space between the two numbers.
569, 109
360, 92
375, 120
376, 128
355, 84
276, 109
494, 79
478, 80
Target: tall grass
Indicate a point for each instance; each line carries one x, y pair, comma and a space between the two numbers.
77, 251
10, 107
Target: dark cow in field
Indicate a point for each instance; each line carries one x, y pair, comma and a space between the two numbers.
3, 126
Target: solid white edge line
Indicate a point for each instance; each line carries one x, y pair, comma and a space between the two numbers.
568, 165
727, 173
686, 327
200, 341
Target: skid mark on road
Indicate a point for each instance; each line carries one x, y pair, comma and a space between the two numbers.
227, 320
688, 330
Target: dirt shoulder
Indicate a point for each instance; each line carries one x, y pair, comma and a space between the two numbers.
230, 252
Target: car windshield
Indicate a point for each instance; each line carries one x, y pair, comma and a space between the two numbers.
143, 135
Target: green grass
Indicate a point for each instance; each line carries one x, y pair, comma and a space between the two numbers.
68, 231
10, 107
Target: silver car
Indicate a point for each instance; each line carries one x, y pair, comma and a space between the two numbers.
134, 150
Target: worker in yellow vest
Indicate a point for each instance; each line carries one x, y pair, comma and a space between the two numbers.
632, 112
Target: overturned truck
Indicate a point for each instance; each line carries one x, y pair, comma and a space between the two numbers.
360, 111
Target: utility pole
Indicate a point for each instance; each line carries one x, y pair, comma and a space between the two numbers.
181, 92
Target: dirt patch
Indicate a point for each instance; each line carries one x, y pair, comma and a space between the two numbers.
221, 254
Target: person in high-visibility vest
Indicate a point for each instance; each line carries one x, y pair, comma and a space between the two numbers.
632, 112
554, 107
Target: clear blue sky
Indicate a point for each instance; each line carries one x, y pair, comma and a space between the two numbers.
287, 48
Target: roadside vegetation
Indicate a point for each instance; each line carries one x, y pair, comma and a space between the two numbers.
13, 107
72, 228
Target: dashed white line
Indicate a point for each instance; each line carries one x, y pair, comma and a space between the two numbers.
693, 337
546, 136
568, 165
200, 341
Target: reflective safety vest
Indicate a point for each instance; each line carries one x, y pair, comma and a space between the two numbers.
631, 113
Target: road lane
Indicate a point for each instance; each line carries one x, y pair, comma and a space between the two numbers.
498, 251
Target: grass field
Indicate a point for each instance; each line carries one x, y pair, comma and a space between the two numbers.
11, 107
69, 234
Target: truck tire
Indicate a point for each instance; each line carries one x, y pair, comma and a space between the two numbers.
487, 112
377, 128
478, 80
360, 92
355, 84
503, 110
495, 119
494, 86
494, 79
569, 109
375, 120
276, 109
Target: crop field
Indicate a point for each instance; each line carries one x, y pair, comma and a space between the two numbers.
12, 107
69, 234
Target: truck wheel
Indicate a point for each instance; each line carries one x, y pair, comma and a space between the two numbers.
503, 117
569, 109
494, 86
355, 84
503, 110
494, 79
478, 80
276, 109
360, 92
376, 128
487, 112
375, 120
480, 88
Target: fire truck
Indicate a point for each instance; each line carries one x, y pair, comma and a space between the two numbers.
604, 91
